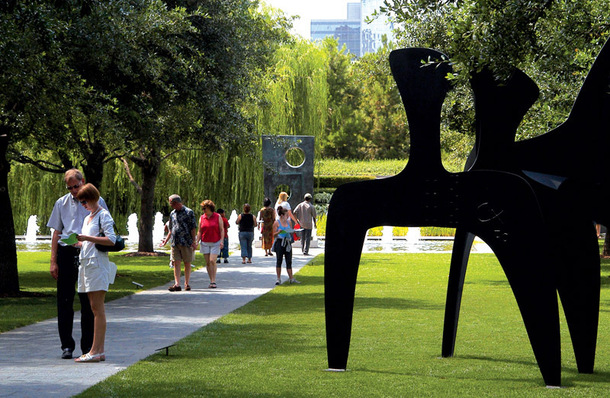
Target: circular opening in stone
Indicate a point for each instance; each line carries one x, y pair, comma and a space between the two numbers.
282, 188
295, 157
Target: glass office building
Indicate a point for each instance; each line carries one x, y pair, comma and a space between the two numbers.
358, 36
346, 31
371, 34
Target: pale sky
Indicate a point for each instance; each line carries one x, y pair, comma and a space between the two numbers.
311, 9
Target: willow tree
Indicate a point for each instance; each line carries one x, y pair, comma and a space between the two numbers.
296, 91
188, 91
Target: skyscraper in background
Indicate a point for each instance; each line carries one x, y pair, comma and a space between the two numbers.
371, 34
346, 31
358, 36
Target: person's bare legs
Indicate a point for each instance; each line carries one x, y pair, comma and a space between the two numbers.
99, 323
212, 267
187, 273
177, 272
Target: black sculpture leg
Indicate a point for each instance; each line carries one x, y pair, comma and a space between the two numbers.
510, 222
579, 289
343, 248
533, 285
459, 261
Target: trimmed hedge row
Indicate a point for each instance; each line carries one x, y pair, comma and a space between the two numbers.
334, 181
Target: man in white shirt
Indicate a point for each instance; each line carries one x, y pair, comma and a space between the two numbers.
66, 218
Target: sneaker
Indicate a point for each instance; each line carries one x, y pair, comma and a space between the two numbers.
226, 261
66, 354
175, 288
278, 281
294, 281
218, 261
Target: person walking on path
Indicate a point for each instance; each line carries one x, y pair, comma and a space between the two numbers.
245, 221
183, 229
305, 212
211, 237
95, 272
67, 218
267, 217
283, 245
224, 253
282, 200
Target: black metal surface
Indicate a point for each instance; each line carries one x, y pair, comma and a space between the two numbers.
501, 207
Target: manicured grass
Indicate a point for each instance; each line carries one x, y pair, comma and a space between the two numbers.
275, 346
34, 278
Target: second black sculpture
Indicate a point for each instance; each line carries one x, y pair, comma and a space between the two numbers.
568, 170
511, 197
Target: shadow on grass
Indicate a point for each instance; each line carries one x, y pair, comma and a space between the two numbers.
460, 376
36, 280
299, 303
319, 281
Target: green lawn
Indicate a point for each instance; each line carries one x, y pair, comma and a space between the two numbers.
275, 345
35, 279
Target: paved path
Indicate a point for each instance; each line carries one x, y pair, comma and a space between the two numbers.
30, 364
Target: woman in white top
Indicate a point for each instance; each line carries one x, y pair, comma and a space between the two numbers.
95, 272
282, 201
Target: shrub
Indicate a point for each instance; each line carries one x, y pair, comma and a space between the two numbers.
437, 231
322, 198
321, 225
377, 231
400, 231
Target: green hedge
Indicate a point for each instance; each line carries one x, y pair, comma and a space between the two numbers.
335, 181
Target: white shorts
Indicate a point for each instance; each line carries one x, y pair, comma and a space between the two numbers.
210, 247
94, 274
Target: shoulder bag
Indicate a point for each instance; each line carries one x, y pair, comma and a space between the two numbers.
119, 244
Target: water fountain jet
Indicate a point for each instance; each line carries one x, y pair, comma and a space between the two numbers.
32, 229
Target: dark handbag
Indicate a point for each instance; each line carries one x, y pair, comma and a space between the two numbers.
119, 244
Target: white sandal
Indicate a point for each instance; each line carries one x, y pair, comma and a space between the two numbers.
91, 358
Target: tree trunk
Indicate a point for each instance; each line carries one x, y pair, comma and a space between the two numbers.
9, 277
150, 166
93, 166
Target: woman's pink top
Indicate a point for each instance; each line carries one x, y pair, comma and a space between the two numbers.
210, 230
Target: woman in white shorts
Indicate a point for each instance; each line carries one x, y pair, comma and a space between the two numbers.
95, 272
210, 237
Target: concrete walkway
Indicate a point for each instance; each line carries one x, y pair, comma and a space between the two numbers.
30, 363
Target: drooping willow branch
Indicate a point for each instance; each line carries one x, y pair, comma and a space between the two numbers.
131, 179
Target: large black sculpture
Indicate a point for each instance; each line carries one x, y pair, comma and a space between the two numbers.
499, 199
568, 170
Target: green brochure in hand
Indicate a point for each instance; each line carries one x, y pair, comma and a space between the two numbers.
70, 240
